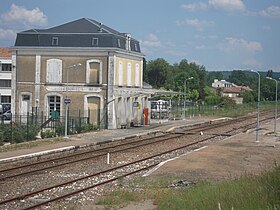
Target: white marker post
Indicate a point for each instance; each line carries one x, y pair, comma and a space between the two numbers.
108, 158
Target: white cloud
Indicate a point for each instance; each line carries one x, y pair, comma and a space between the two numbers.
177, 53
152, 41
228, 5
205, 37
231, 44
18, 14
195, 7
7, 34
271, 12
252, 62
198, 24
201, 47
242, 51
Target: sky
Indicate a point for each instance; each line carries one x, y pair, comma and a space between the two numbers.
221, 35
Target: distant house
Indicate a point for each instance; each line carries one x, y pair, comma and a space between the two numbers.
97, 67
228, 89
221, 84
5, 77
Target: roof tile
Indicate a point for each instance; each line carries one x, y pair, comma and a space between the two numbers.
5, 53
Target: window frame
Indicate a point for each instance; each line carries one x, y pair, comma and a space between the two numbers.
55, 104
7, 69
5, 83
94, 42
55, 41
6, 99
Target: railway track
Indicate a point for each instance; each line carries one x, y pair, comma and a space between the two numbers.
143, 155
38, 166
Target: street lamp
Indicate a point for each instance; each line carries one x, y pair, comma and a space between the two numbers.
275, 114
185, 84
67, 100
258, 104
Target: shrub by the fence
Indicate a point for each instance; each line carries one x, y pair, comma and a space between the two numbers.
18, 133
48, 134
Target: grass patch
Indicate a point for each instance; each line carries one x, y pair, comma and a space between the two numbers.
245, 193
120, 197
239, 110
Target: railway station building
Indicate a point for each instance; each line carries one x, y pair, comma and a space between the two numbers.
94, 69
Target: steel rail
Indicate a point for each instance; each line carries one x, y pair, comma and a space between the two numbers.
87, 158
211, 126
73, 155
105, 171
200, 126
35, 192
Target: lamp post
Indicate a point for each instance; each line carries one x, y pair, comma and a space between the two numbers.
185, 84
67, 100
258, 104
275, 113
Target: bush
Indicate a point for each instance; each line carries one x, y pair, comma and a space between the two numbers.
18, 133
60, 130
5, 132
86, 127
212, 100
227, 102
23, 133
48, 134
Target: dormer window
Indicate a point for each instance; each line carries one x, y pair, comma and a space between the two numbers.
94, 42
127, 44
119, 43
55, 41
135, 46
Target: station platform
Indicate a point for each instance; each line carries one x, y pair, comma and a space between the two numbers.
46, 146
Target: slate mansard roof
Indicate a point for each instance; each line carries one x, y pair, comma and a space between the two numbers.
83, 32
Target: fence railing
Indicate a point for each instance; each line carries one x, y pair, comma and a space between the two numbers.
29, 127
34, 125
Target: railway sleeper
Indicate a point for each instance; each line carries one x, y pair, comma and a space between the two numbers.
201, 133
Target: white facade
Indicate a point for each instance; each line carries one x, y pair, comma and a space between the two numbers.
221, 84
5, 76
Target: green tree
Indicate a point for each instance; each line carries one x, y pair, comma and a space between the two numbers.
247, 96
210, 96
156, 72
202, 81
227, 102
160, 74
239, 77
213, 75
267, 92
193, 95
269, 73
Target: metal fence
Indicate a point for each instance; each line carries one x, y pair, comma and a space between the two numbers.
176, 109
34, 125
29, 127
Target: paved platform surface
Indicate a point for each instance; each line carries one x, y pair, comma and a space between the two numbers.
230, 158
54, 145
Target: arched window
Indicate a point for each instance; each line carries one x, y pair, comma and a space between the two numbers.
129, 74
94, 72
54, 104
137, 75
120, 73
